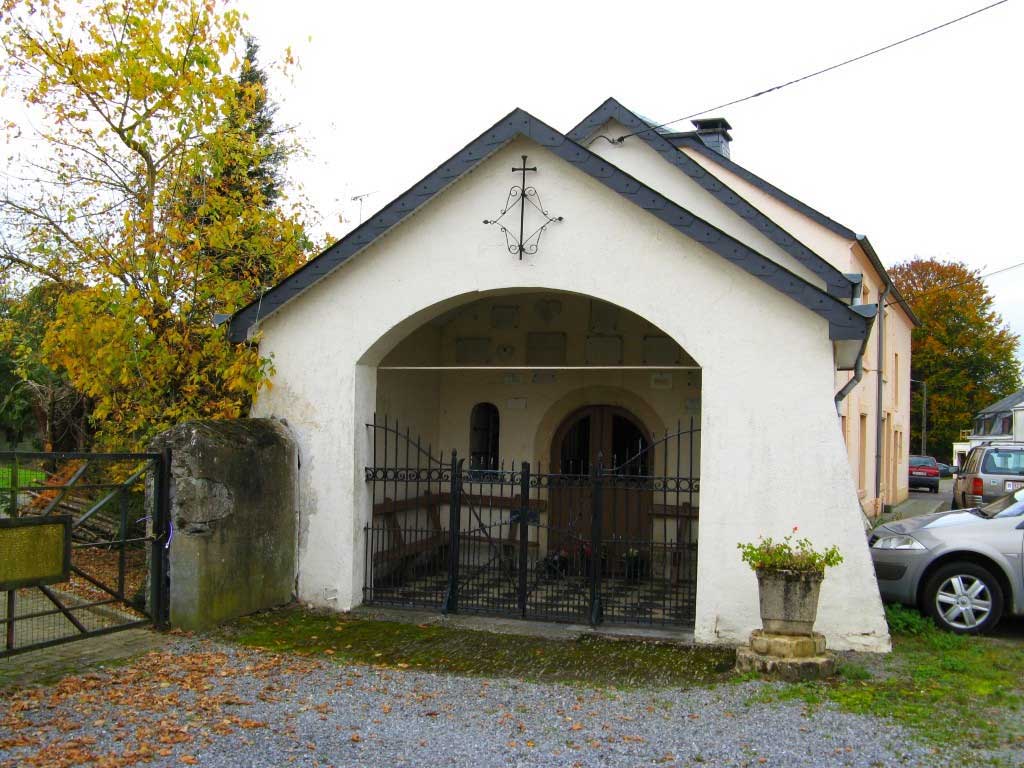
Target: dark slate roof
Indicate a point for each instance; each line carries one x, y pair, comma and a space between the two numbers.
771, 189
844, 323
692, 139
1005, 405
836, 283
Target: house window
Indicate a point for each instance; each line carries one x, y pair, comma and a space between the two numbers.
483, 436
896, 379
863, 464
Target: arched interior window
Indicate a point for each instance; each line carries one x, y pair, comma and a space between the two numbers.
483, 436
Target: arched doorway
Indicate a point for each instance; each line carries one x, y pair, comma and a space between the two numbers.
616, 440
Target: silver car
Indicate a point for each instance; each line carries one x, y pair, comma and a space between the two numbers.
989, 471
964, 568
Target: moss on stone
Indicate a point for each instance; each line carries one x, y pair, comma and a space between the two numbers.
588, 660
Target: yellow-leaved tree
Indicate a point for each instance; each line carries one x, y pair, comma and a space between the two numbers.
147, 184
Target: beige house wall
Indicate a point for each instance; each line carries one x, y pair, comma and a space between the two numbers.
848, 256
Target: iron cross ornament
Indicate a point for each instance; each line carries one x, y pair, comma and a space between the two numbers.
520, 196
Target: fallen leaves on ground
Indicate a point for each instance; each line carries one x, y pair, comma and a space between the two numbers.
159, 702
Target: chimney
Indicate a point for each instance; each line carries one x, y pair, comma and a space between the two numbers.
714, 132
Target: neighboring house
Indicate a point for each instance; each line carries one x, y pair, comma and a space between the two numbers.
1001, 422
637, 365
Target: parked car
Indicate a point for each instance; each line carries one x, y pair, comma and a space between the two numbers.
924, 473
989, 472
945, 470
963, 567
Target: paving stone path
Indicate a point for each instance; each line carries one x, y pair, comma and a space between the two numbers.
47, 664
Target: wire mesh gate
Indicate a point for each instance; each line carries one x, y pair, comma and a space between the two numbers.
109, 513
613, 542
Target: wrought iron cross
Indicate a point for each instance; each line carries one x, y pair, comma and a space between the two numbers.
519, 196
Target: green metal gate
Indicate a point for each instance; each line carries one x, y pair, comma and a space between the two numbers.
83, 541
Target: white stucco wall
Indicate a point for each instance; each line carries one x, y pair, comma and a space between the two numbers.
767, 370
640, 161
847, 255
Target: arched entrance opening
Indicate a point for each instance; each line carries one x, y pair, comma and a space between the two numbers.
536, 454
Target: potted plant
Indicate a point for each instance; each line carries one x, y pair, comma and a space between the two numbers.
789, 575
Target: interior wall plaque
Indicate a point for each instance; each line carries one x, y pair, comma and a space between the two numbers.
604, 317
660, 350
472, 351
505, 353
545, 349
547, 310
603, 350
504, 316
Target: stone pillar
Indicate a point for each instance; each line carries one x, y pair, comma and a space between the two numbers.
234, 510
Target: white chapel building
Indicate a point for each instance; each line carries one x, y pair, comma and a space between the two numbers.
563, 375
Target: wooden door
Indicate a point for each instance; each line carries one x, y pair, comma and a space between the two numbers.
617, 439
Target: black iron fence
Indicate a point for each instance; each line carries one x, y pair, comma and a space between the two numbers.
82, 540
616, 543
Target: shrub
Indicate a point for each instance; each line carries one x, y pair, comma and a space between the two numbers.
766, 554
907, 621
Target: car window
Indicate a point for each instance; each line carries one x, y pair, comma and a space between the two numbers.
972, 461
922, 461
1003, 461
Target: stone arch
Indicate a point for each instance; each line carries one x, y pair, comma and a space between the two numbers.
596, 395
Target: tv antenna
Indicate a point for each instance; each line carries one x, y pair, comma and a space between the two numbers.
360, 199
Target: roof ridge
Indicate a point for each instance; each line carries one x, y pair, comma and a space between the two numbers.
844, 323
837, 284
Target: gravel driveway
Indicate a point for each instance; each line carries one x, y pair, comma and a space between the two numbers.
201, 703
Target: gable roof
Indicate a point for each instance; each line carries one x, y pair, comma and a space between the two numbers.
837, 284
690, 139
845, 323
1005, 405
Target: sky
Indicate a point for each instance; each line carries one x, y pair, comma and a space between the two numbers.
918, 147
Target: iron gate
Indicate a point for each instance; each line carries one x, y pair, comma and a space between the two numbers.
612, 542
106, 516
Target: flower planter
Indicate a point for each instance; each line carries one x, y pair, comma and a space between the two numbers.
789, 601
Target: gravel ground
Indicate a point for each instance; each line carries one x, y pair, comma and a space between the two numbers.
200, 703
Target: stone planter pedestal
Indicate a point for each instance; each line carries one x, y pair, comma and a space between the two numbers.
787, 648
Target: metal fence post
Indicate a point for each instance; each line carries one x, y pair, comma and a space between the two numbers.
597, 515
15, 471
159, 560
524, 534
11, 600
451, 599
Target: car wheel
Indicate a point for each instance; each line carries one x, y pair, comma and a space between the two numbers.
935, 490
964, 597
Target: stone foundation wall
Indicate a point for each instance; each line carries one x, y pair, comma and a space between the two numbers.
234, 510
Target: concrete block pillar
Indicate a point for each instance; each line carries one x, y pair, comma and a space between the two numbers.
234, 510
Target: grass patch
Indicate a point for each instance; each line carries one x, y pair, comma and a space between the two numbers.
951, 690
25, 476
589, 660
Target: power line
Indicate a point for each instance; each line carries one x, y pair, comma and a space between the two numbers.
814, 74
955, 285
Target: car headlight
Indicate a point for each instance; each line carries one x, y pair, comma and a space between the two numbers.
897, 542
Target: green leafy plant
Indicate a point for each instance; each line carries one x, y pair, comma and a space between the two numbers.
766, 554
907, 621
